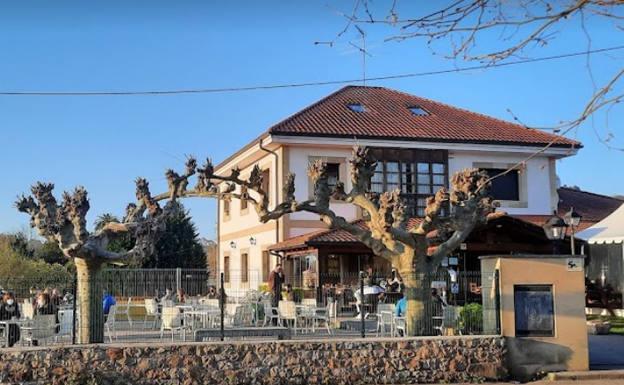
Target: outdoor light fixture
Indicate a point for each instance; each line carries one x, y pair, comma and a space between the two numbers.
252, 241
233, 245
572, 219
554, 229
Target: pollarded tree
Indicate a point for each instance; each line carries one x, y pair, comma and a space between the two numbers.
452, 215
466, 205
145, 221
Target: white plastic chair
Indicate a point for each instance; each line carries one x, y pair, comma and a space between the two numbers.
287, 311
171, 319
270, 313
41, 328
151, 310
109, 325
124, 309
323, 315
400, 326
66, 322
385, 312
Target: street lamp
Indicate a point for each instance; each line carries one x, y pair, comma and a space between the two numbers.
554, 228
252, 241
572, 219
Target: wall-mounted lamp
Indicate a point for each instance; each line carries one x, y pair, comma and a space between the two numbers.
233, 245
252, 241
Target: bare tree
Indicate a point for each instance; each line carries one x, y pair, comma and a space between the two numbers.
491, 31
65, 223
451, 215
449, 218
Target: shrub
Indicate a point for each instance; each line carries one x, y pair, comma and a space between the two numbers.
471, 318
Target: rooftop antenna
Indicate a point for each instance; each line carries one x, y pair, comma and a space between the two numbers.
365, 53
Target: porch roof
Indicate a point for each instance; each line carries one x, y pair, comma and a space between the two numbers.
342, 237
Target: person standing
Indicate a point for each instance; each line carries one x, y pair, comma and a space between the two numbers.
9, 310
107, 303
276, 279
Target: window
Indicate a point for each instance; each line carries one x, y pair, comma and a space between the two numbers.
534, 310
244, 267
356, 107
418, 174
243, 202
333, 174
505, 187
226, 268
266, 182
418, 111
226, 208
266, 265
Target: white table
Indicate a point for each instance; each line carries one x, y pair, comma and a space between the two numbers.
206, 316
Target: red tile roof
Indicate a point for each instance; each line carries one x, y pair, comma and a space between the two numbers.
387, 116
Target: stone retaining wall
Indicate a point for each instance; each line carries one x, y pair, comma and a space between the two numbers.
370, 361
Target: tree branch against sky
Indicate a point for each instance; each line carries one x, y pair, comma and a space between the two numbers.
494, 31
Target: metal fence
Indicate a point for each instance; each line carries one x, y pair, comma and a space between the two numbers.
187, 304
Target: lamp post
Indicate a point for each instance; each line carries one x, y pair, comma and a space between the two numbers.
572, 219
554, 228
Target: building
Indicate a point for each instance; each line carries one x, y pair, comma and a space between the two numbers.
418, 143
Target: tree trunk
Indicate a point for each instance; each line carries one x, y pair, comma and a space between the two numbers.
414, 291
89, 300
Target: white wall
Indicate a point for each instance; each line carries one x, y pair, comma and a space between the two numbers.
299, 158
263, 241
539, 187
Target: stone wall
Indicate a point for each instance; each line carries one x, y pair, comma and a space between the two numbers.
370, 361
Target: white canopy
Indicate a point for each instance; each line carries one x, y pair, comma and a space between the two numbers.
608, 230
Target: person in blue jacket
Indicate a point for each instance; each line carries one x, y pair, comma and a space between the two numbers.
108, 301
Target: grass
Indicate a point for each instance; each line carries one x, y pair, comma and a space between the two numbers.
617, 323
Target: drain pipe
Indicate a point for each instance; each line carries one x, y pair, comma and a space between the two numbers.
277, 226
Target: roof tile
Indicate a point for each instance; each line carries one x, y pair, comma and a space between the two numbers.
388, 116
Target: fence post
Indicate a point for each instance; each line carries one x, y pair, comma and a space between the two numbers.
74, 308
222, 304
497, 293
362, 308
178, 279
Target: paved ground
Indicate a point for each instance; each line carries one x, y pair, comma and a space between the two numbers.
606, 352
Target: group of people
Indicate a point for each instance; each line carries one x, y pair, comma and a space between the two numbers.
43, 301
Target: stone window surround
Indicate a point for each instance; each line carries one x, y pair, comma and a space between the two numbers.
523, 203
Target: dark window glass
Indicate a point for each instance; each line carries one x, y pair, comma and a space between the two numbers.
244, 267
333, 174
226, 208
418, 111
505, 187
266, 261
243, 202
226, 268
266, 183
356, 107
417, 173
534, 310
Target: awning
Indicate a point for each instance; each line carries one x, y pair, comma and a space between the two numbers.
608, 230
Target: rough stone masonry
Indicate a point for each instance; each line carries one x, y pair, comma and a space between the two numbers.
369, 361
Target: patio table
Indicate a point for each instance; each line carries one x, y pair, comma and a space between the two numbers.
205, 315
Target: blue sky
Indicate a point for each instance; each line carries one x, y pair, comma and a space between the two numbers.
104, 143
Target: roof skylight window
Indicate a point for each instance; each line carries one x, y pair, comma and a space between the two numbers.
418, 111
356, 107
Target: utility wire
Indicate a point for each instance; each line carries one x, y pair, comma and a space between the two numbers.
305, 84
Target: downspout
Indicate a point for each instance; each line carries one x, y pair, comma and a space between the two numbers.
277, 226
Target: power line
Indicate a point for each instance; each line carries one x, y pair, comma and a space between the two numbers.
304, 84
